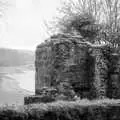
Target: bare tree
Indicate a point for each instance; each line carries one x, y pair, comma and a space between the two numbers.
74, 14
111, 11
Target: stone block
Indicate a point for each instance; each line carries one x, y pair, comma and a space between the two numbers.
38, 99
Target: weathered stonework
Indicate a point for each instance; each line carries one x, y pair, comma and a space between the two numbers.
114, 76
69, 60
77, 69
43, 65
70, 67
100, 71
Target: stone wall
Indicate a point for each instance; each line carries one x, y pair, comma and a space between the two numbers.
43, 65
69, 60
114, 76
68, 67
100, 55
77, 69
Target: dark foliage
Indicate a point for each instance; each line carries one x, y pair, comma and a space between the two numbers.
81, 24
80, 110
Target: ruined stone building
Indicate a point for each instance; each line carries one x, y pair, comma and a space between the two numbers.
90, 70
76, 68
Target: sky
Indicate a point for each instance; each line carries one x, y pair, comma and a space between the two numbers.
22, 25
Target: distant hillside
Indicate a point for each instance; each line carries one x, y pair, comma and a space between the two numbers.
13, 57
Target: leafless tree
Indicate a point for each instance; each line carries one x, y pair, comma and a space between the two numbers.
111, 13
103, 12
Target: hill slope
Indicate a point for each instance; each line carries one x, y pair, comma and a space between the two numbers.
13, 57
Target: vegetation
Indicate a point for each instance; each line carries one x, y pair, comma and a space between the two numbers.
94, 20
63, 110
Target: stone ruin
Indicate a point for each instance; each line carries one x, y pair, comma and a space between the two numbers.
68, 69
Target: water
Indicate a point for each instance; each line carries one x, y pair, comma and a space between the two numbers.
26, 79
15, 83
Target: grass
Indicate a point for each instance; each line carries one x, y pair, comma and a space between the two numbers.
64, 110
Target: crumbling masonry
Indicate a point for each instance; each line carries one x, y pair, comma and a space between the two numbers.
79, 69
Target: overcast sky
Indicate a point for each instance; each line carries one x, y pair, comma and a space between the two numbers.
22, 27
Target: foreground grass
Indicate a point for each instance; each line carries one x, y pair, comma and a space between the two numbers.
64, 110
